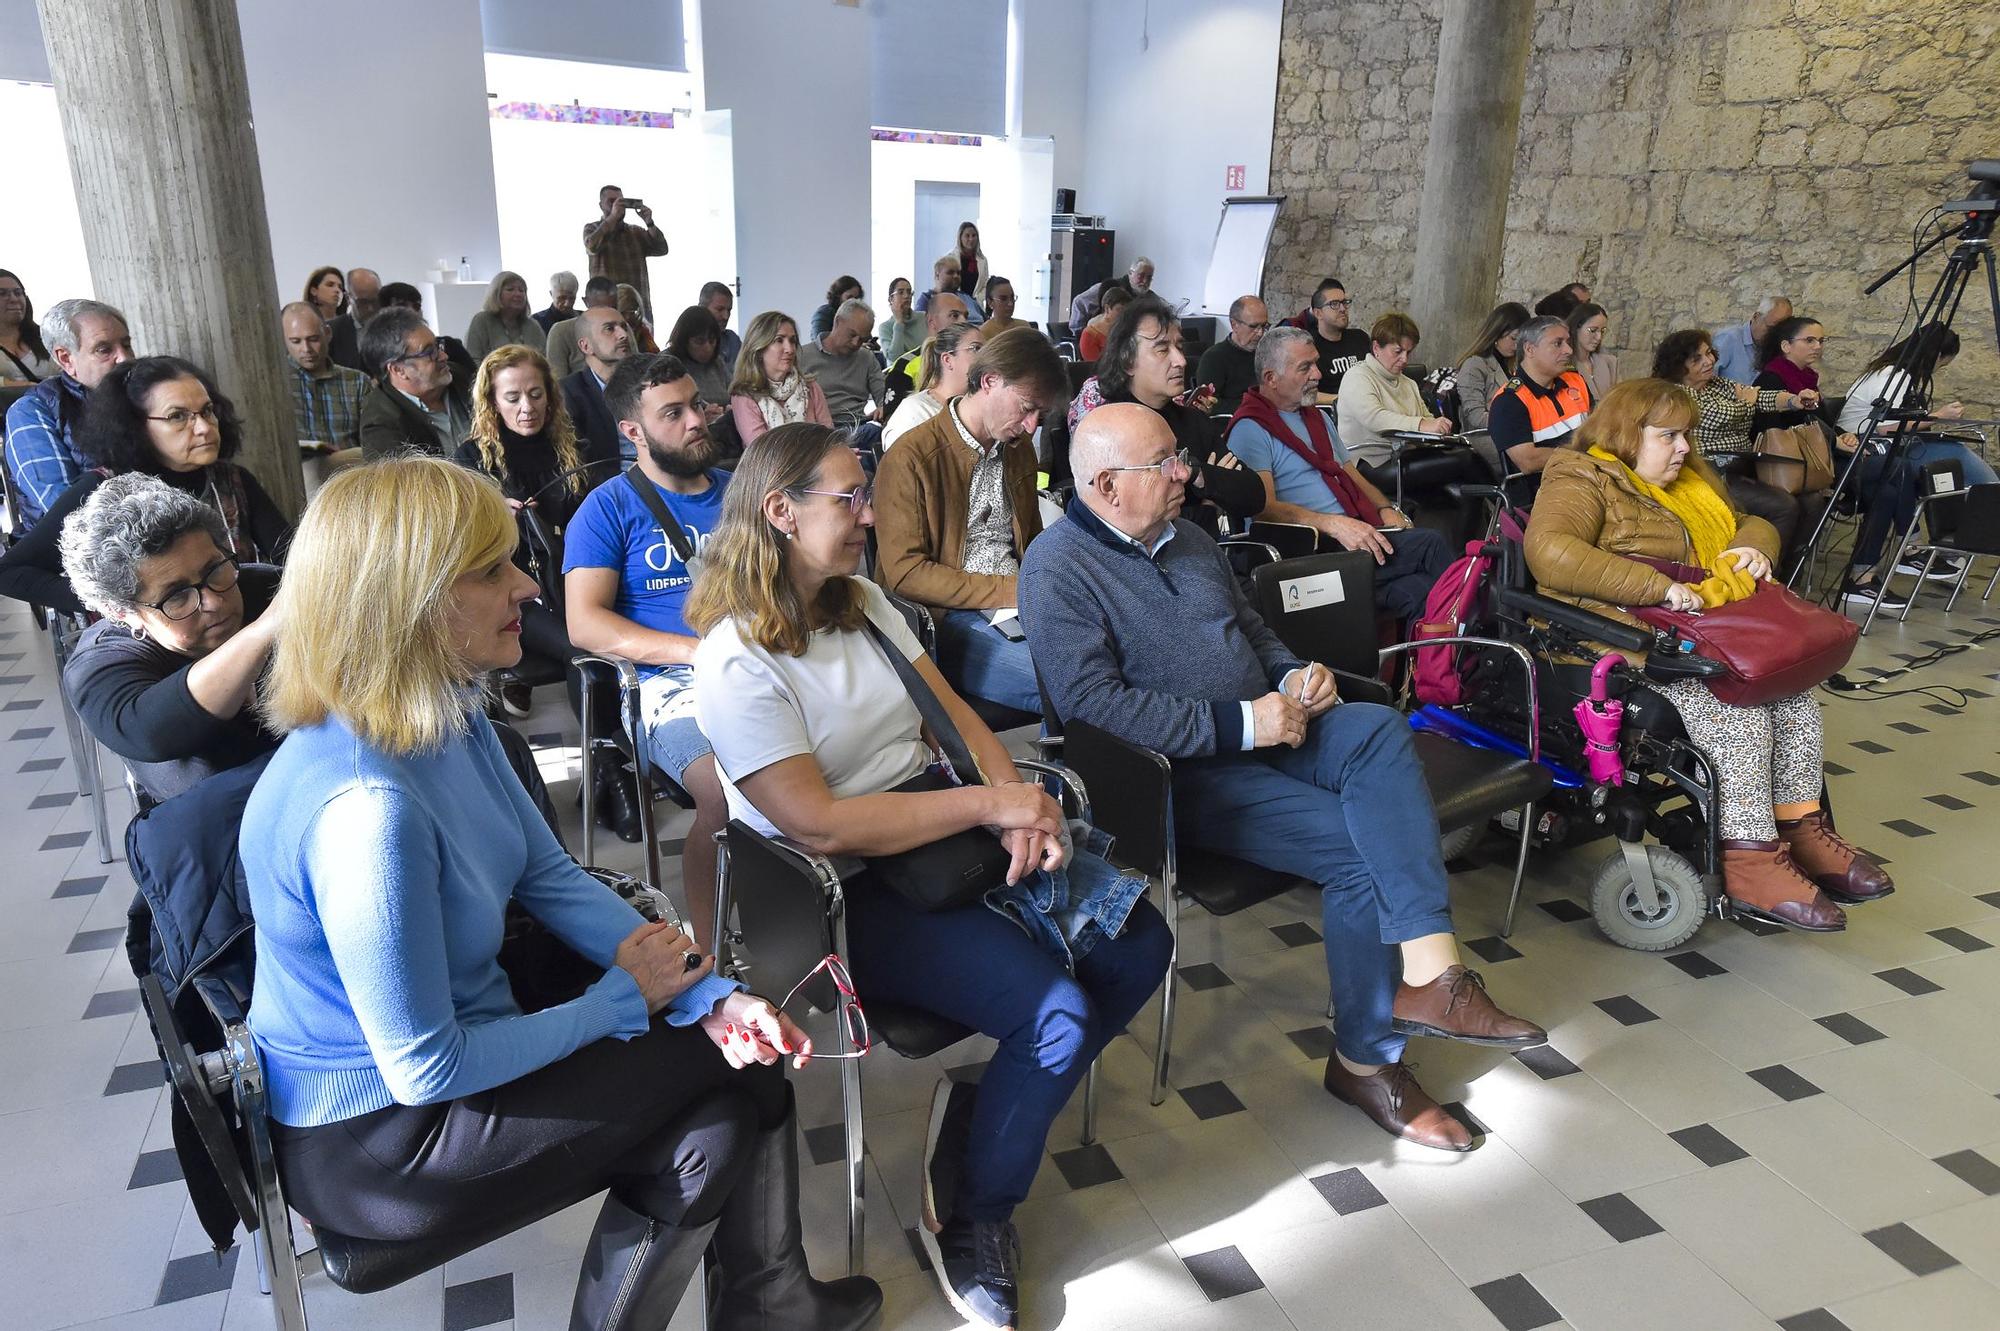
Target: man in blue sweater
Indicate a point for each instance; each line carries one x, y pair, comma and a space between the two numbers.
1139, 627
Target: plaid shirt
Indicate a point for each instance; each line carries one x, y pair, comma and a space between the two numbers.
1723, 431
329, 410
40, 448
622, 254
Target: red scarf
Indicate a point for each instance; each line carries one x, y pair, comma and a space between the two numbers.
1319, 453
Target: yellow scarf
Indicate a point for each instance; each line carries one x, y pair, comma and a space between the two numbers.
1711, 526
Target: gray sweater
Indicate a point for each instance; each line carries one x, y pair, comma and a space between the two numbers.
1161, 650
850, 382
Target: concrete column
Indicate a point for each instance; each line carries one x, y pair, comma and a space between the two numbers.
156, 113
1482, 65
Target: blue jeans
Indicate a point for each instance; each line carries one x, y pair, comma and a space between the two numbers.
1404, 581
1349, 810
980, 970
1892, 490
982, 661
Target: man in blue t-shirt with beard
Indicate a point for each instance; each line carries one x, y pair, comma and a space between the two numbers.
626, 587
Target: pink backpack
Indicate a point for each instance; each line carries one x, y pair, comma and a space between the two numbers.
1455, 601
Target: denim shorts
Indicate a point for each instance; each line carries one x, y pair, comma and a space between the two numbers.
666, 708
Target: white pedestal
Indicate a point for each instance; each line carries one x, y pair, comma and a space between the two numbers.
449, 306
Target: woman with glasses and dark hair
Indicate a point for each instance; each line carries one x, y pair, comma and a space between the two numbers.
23, 357
161, 416
903, 331
819, 739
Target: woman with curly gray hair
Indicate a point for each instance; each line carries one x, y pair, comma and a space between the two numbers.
166, 677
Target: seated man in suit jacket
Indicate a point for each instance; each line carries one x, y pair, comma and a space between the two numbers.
605, 339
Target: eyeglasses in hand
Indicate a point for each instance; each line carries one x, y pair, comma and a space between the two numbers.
853, 1022
184, 601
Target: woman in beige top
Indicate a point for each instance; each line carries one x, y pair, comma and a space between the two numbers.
1587, 323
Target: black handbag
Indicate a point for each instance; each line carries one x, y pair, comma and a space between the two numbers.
957, 870
543, 970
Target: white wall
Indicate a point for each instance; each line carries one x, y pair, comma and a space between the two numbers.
374, 148
1013, 180
1056, 50
41, 239
1178, 90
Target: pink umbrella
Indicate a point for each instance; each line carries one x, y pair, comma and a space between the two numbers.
1600, 717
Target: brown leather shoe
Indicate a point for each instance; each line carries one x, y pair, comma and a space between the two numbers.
1762, 882
1456, 1006
1398, 1105
1843, 870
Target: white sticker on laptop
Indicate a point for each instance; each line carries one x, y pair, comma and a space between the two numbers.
1316, 589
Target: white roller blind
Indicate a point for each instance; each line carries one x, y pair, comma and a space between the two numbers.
937, 64
646, 33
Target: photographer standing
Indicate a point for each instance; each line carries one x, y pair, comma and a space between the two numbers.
618, 249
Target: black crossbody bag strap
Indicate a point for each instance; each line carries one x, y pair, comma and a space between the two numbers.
670, 526
942, 729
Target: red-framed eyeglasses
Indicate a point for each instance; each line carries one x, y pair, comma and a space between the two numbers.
853, 1021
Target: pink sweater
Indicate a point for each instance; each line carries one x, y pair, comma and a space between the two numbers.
750, 420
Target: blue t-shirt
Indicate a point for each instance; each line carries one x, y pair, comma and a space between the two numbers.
1294, 480
615, 529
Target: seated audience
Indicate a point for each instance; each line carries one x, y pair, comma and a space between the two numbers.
1587, 325
1722, 434
419, 404
606, 343
1791, 354
1143, 362
565, 344
411, 1094
403, 296
161, 416
1379, 397
504, 319
956, 508
1230, 366
847, 373
167, 678
1631, 487
1738, 354
1541, 406
1486, 367
364, 302
819, 737
562, 301
326, 291
1089, 302
1090, 343
87, 339
949, 308
769, 389
948, 358
24, 359
1338, 347
1268, 764
903, 330
1000, 306
975, 275
1284, 440
326, 398
945, 278
619, 248
632, 305
625, 584
696, 342
720, 301
844, 289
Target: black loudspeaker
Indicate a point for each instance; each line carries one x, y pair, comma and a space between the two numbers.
1065, 200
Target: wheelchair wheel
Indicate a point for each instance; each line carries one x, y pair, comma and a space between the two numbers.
1455, 844
1614, 901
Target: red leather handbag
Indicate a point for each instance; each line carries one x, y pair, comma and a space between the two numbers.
1774, 643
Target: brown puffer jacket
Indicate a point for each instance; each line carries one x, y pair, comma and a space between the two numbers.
1589, 515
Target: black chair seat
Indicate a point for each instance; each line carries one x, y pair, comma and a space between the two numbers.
367, 1266
913, 1032
1224, 885
1471, 785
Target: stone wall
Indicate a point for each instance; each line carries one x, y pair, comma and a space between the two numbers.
1682, 157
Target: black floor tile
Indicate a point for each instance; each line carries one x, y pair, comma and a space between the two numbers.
1975, 1169
41, 765
1313, 1041
111, 1003
65, 840
1951, 802
1819, 1319
1222, 1274
95, 940
1960, 939
154, 1168
1297, 934
1784, 1083
193, 1276
1908, 980
1909, 727
1627, 1010
22, 705
1939, 709
57, 800
1492, 951
1087, 1166
1211, 1099
1348, 1191
1991, 898
1917, 1254
1907, 828
1204, 976
1545, 1062
1697, 965
826, 1145
1518, 1305
1562, 908
479, 1303
1983, 778
1706, 1143
1620, 1217
78, 887
1472, 1124
1851, 1028
33, 732
15, 679
1835, 769
1870, 746
129, 1077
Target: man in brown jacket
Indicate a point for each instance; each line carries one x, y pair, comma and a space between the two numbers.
955, 508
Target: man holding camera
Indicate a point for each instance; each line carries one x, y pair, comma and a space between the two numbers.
618, 249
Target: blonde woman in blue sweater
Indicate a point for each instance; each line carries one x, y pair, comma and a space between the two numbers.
413, 1097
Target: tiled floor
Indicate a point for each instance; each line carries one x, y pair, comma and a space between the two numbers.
1763, 1129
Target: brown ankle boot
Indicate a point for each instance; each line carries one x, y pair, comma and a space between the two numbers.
1762, 882
1842, 870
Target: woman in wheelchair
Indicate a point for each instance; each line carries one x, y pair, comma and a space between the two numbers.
1632, 488
819, 738
413, 1098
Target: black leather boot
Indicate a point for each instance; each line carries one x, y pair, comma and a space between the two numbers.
635, 1270
617, 800
765, 1282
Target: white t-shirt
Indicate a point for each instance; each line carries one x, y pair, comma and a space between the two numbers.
1861, 398
841, 702
911, 412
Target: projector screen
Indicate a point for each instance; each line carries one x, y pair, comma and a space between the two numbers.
1236, 266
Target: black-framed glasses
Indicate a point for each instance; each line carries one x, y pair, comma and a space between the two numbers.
181, 602
1165, 466
860, 497
435, 351
181, 418
1334, 304
853, 1021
